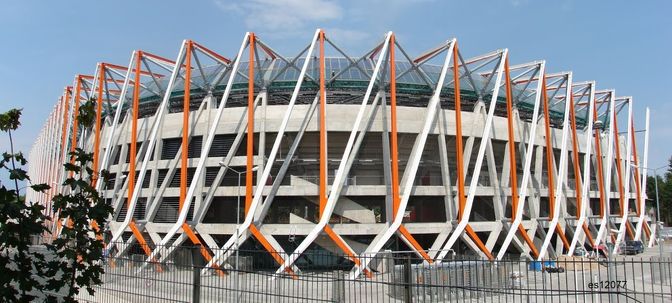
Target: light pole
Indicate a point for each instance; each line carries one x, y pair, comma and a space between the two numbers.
655, 177
655, 181
240, 173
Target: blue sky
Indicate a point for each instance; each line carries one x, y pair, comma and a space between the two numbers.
623, 45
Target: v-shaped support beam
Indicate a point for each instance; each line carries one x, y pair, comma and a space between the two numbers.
253, 199
401, 195
463, 229
640, 193
516, 204
623, 186
133, 191
553, 202
582, 190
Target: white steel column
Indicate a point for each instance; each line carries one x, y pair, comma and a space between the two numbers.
585, 189
242, 230
411, 169
604, 225
204, 152
522, 194
562, 166
643, 169
341, 173
151, 142
485, 138
115, 121
626, 178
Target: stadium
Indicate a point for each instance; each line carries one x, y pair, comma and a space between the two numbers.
435, 153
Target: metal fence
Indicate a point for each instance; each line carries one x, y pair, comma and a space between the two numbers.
394, 277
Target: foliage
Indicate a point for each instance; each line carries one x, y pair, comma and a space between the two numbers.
664, 193
20, 221
79, 246
73, 260
9, 121
87, 114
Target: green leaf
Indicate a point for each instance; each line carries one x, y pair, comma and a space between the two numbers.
71, 167
20, 158
87, 114
18, 174
40, 187
10, 120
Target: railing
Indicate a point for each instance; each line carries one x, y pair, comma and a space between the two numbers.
394, 277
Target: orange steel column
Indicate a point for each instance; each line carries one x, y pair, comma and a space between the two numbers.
133, 152
577, 170
75, 129
68, 93
619, 171
323, 130
323, 160
250, 157
637, 184
134, 129
512, 159
250, 126
550, 164
55, 168
600, 169
395, 154
184, 164
393, 133
75, 125
459, 151
96, 141
185, 127
99, 111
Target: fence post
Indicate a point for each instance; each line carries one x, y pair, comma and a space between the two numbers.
338, 294
196, 279
408, 290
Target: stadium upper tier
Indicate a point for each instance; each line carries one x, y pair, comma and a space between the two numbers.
344, 84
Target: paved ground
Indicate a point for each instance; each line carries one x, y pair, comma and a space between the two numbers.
630, 279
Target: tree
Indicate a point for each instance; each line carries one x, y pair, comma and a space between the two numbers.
76, 254
664, 193
79, 246
20, 220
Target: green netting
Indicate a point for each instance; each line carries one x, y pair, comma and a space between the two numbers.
349, 79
